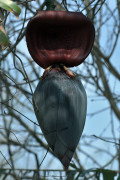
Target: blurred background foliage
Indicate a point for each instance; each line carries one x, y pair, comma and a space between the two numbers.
23, 149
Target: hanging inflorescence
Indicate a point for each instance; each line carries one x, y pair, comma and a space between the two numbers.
57, 40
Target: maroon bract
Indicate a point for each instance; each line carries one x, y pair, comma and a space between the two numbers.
59, 37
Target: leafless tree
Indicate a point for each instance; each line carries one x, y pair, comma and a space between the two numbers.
23, 148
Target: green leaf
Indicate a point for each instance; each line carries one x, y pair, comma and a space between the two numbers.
118, 177
70, 175
107, 174
2, 171
4, 41
10, 6
73, 166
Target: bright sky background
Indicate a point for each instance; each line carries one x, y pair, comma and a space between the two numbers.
94, 125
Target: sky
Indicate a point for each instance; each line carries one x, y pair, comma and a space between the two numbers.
95, 125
